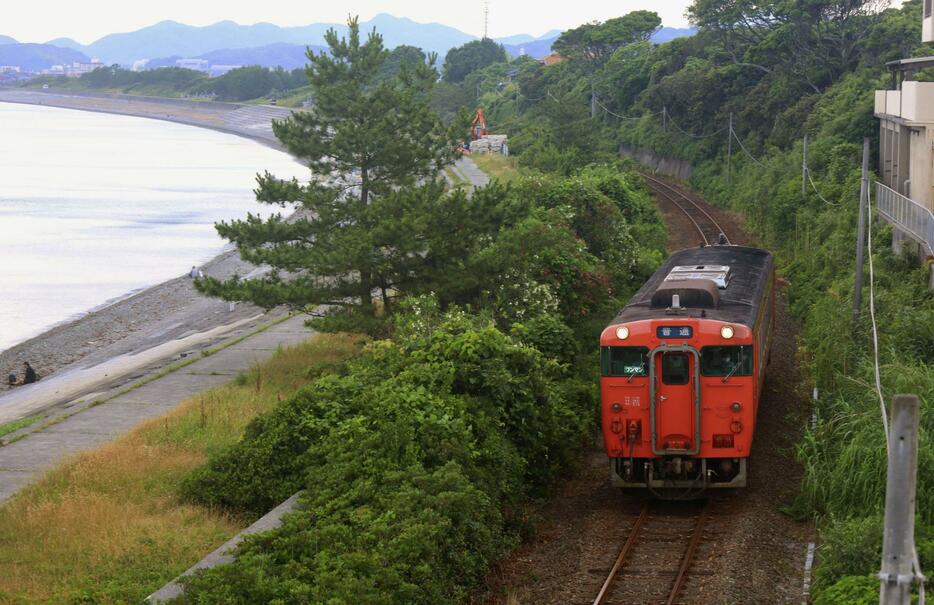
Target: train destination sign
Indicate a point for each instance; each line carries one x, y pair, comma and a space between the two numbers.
674, 331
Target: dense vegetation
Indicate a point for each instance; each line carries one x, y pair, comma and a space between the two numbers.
783, 70
418, 459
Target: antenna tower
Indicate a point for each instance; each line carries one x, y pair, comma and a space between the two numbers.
486, 19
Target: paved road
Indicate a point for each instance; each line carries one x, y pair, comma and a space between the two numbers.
468, 169
26, 459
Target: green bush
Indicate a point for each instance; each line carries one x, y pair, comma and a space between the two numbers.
851, 590
416, 464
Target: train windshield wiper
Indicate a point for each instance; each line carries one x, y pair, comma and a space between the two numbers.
736, 367
635, 371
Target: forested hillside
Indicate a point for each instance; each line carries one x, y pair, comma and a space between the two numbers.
782, 71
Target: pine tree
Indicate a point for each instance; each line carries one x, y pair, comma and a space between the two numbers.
376, 150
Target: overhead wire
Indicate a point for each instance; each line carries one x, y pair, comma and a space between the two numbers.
690, 134
807, 171
616, 115
743, 147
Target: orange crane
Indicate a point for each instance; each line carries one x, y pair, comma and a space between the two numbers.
478, 126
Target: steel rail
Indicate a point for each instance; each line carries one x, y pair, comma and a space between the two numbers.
658, 189
689, 555
623, 554
635, 534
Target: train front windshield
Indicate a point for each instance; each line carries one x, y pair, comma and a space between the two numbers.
727, 361
624, 361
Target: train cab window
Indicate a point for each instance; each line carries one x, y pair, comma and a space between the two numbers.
727, 361
624, 361
676, 368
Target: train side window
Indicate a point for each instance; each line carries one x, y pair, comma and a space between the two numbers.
727, 361
676, 368
624, 361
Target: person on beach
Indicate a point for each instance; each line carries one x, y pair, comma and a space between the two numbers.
195, 273
29, 376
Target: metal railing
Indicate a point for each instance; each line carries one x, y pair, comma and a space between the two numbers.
908, 215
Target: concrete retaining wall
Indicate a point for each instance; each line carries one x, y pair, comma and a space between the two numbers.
680, 169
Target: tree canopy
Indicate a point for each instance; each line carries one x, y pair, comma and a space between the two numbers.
461, 61
375, 150
595, 42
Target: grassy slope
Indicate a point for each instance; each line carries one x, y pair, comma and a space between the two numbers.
497, 166
107, 526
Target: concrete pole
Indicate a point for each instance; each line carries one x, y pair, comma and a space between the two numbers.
804, 168
664, 118
861, 234
899, 539
729, 153
593, 101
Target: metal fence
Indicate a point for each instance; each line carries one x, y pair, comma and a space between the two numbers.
908, 215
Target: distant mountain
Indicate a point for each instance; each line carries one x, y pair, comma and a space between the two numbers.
169, 38
667, 34
535, 49
287, 56
66, 43
268, 44
36, 57
541, 47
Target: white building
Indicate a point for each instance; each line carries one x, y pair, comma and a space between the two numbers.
9, 69
196, 64
140, 64
927, 27
78, 69
905, 193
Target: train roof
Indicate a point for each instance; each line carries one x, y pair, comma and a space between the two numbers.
745, 271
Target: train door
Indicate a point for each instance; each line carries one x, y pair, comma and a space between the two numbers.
676, 405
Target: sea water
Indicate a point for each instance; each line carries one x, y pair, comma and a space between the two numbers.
94, 206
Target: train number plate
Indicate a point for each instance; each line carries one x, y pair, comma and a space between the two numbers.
674, 331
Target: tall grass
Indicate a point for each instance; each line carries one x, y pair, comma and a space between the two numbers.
107, 526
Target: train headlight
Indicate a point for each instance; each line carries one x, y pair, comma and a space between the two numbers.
727, 332
622, 332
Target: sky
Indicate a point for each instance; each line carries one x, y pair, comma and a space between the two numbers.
89, 20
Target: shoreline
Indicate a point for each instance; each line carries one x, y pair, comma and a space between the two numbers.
144, 318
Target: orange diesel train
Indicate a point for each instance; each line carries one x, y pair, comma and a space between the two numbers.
682, 369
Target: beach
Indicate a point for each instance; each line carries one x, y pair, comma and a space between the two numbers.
162, 312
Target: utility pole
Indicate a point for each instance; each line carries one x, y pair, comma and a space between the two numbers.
664, 118
804, 168
898, 543
729, 153
861, 234
593, 101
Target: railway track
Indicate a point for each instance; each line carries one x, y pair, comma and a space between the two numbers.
659, 555
709, 229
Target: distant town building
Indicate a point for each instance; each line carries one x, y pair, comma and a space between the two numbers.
78, 69
219, 70
195, 64
140, 64
9, 69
